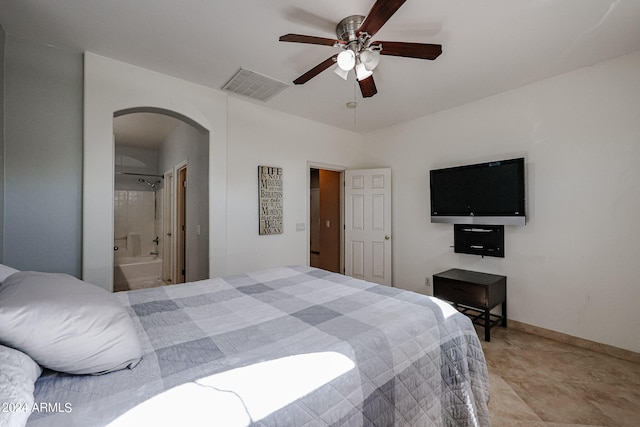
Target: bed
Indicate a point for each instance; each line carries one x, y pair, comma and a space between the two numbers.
290, 346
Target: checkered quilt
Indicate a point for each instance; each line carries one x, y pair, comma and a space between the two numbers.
291, 346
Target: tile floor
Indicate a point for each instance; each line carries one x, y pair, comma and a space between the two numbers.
539, 382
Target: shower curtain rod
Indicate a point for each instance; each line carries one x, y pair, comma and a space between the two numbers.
139, 174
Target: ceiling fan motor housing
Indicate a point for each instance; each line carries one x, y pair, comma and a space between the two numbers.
346, 30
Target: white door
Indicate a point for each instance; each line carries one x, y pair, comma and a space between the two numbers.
368, 225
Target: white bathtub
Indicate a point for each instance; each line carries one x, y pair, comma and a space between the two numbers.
135, 272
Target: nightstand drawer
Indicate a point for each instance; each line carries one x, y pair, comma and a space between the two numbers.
460, 292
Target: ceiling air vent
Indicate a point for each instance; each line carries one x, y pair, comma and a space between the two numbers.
248, 83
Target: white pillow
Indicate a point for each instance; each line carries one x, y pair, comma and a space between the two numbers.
17, 378
66, 324
6, 271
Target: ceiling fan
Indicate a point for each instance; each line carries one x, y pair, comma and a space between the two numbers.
359, 52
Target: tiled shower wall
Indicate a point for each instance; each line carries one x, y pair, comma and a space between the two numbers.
134, 212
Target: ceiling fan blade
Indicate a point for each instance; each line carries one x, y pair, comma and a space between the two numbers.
299, 38
380, 13
315, 71
367, 87
410, 50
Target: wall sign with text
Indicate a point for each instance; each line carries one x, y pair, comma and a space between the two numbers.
270, 199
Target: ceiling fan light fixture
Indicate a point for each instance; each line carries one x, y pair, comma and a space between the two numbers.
362, 72
346, 60
370, 59
342, 73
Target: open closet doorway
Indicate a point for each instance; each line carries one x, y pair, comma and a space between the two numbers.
326, 237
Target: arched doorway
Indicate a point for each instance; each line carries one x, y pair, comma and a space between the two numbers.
160, 217
114, 86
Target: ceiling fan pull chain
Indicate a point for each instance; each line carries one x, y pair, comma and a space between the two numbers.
355, 108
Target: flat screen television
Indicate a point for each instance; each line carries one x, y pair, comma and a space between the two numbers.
491, 193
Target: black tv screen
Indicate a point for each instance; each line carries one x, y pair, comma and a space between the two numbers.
483, 193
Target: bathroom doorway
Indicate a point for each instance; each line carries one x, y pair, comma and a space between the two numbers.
160, 233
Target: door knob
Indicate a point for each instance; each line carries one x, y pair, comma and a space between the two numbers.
387, 237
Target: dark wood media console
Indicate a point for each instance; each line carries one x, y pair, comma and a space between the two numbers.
474, 294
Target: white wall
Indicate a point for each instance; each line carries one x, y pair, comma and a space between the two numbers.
574, 267
262, 137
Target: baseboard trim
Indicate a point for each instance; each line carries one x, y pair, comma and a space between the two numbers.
609, 350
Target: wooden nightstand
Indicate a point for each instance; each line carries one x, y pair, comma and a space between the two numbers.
474, 294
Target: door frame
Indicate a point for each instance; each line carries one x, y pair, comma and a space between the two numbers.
176, 244
168, 227
181, 253
334, 168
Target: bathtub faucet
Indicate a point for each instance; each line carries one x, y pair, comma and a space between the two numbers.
154, 253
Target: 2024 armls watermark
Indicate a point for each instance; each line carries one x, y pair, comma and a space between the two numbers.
43, 407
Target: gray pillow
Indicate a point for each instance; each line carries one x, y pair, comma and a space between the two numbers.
17, 378
6, 271
66, 324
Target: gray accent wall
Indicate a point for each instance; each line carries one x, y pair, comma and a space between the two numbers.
2, 40
43, 110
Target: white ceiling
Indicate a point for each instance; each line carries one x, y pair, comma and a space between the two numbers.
489, 46
143, 130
